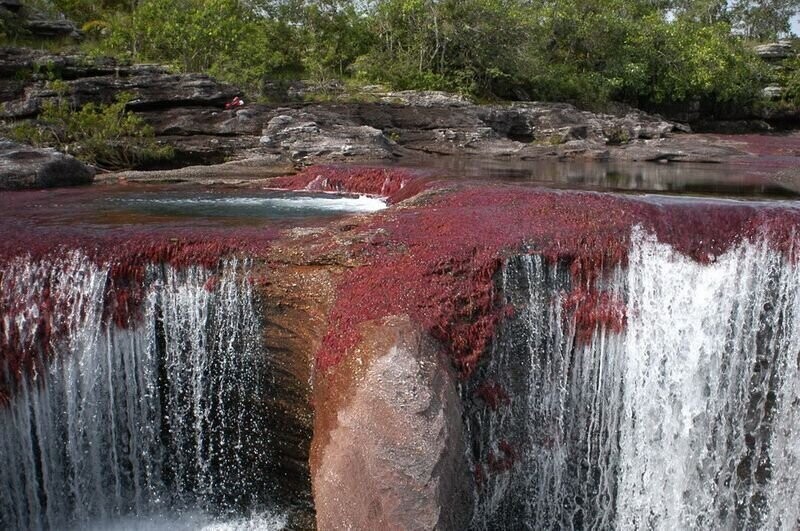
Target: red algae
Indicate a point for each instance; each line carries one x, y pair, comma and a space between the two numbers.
437, 263
504, 460
493, 395
764, 145
592, 309
395, 184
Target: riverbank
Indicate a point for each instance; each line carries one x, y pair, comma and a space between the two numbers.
186, 112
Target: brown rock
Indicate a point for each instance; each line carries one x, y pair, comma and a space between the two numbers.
388, 450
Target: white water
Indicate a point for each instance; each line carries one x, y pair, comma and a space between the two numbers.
321, 203
690, 419
125, 424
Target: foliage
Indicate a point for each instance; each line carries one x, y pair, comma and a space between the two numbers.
588, 51
686, 61
470, 46
104, 135
649, 53
754, 19
790, 78
222, 37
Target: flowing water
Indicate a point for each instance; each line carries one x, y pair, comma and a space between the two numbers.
688, 419
157, 421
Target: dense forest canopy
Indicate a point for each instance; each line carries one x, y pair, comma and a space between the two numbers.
643, 52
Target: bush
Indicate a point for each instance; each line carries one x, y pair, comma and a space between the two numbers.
104, 135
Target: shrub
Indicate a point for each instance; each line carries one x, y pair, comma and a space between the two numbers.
107, 136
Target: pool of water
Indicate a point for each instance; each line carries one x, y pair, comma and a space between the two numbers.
759, 179
102, 206
274, 205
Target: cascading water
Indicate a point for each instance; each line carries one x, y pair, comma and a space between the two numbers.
158, 419
686, 417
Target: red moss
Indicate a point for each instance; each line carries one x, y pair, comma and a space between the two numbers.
212, 284
438, 262
762, 145
591, 310
479, 476
493, 395
395, 184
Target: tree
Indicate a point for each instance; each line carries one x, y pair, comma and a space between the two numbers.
755, 19
763, 19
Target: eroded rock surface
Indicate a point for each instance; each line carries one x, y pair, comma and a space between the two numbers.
388, 451
187, 111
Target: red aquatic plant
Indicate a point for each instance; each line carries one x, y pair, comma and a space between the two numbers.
395, 184
504, 460
437, 263
493, 395
592, 309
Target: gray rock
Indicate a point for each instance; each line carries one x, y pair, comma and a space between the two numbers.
26, 167
11, 5
423, 98
149, 91
43, 26
775, 50
773, 92
683, 148
37, 23
185, 110
298, 133
38, 65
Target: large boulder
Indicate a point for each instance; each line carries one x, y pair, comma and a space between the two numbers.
25, 167
45, 27
30, 21
300, 134
388, 449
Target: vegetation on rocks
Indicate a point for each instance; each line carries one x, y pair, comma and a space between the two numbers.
643, 52
106, 136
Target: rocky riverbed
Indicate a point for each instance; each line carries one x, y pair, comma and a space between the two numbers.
187, 112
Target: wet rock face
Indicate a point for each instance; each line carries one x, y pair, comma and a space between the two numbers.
27, 167
390, 453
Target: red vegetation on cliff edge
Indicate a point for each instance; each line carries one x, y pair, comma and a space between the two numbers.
438, 262
127, 253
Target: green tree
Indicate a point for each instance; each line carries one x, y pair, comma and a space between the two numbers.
222, 37
763, 19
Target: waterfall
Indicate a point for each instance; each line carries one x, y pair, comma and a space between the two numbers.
154, 418
687, 418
